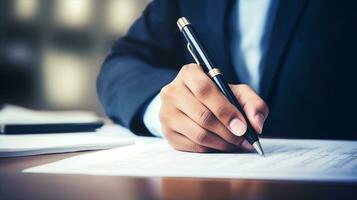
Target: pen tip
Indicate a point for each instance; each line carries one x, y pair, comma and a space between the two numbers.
258, 147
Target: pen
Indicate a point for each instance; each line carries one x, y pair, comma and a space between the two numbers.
202, 58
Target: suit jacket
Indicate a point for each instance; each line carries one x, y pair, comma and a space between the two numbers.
308, 79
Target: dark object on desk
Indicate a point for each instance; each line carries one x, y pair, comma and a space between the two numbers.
202, 58
19, 120
50, 128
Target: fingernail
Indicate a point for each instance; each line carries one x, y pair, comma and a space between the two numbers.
237, 127
260, 118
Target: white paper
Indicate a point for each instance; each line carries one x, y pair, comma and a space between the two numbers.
285, 160
17, 115
34, 144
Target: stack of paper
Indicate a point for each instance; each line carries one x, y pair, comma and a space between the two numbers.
34, 144
17, 115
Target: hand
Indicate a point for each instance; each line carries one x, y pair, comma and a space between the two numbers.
196, 117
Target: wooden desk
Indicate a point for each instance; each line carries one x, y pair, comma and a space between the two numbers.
17, 185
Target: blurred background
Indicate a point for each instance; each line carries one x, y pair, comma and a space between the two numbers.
51, 50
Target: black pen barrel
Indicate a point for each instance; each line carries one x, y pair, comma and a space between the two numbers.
208, 65
250, 135
201, 54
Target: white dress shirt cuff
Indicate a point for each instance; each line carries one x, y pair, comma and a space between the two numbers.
151, 117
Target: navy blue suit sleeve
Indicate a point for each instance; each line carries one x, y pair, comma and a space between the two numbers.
139, 64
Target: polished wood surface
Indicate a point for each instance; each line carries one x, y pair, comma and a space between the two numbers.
17, 185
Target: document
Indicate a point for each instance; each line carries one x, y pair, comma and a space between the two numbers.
313, 160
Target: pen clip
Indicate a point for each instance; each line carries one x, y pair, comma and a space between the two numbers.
191, 52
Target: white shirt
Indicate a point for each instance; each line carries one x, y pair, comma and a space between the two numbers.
249, 35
